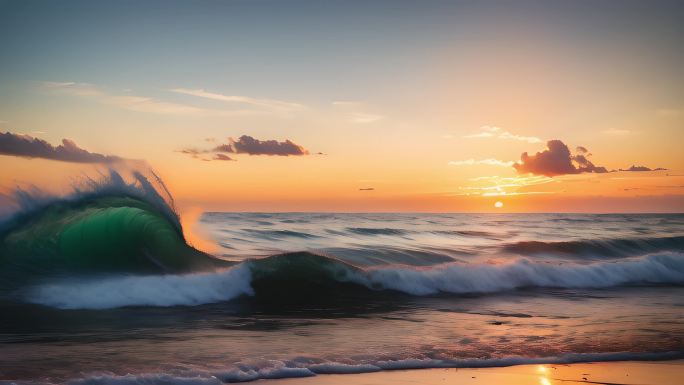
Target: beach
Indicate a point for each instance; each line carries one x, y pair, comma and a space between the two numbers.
607, 373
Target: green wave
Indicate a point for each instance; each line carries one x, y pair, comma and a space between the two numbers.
101, 234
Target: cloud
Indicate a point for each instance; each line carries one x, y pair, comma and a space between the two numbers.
223, 157
616, 132
489, 186
29, 147
268, 104
496, 132
362, 118
472, 162
194, 153
584, 165
484, 134
249, 145
643, 168
355, 112
138, 103
555, 160
205, 155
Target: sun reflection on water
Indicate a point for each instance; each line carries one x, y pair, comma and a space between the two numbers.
543, 370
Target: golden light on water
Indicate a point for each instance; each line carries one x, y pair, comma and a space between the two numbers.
543, 370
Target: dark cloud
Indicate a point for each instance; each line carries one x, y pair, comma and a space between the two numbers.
224, 148
204, 155
557, 159
584, 165
642, 168
30, 147
192, 152
367, 189
222, 157
582, 150
248, 145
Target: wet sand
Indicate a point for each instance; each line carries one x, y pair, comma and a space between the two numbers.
608, 373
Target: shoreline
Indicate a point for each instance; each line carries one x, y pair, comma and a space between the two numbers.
600, 372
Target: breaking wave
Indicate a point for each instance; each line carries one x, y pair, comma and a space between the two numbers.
106, 226
604, 248
114, 243
303, 367
300, 277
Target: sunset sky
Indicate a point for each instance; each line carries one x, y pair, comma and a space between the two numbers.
352, 106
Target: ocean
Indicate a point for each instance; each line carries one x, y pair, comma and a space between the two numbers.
101, 289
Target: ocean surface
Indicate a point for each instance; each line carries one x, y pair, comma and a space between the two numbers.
101, 289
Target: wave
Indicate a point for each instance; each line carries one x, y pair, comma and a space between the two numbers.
605, 248
304, 277
107, 225
376, 231
306, 367
114, 243
133, 290
268, 234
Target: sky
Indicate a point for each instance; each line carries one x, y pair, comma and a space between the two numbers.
429, 106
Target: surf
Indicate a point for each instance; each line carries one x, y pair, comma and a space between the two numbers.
303, 278
118, 241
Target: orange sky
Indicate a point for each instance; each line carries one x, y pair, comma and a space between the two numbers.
429, 112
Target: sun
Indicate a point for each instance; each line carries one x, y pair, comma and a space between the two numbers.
498, 204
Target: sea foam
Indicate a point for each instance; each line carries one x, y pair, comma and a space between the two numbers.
273, 369
454, 278
464, 278
155, 290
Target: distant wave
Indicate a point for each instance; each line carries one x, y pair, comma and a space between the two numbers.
280, 233
309, 367
467, 233
299, 277
606, 248
375, 231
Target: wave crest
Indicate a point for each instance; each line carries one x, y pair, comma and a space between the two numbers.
300, 277
105, 226
273, 369
604, 248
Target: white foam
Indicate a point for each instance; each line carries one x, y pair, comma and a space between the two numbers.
272, 369
339, 368
459, 278
159, 290
146, 379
